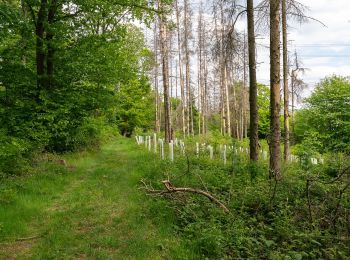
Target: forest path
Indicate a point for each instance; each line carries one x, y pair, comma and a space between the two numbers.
97, 212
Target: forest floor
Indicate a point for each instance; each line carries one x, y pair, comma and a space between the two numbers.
90, 209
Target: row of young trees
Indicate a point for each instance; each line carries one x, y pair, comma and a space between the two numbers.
207, 41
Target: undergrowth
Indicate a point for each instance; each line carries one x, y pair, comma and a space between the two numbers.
303, 216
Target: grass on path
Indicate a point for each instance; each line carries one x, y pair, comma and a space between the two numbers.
93, 211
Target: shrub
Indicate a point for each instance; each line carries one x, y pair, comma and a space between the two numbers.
13, 155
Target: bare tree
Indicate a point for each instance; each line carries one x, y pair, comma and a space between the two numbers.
285, 80
200, 72
253, 135
156, 87
274, 142
182, 84
297, 84
165, 70
187, 32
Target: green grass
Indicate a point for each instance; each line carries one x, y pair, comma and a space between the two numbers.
92, 209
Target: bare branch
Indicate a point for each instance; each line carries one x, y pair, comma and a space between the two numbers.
170, 188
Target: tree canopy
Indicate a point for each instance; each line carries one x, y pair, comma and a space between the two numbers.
326, 117
64, 67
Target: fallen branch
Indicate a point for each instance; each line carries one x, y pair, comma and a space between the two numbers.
170, 188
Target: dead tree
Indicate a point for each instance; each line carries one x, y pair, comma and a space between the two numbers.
285, 80
182, 83
253, 93
156, 87
165, 70
275, 105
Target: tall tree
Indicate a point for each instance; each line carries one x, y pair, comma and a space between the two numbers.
182, 83
200, 67
253, 134
165, 70
285, 80
156, 87
187, 32
274, 141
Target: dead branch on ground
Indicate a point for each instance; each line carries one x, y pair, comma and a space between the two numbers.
170, 188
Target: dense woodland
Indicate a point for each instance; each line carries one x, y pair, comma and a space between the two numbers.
77, 74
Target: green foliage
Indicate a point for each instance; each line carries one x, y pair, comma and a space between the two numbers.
98, 79
263, 110
267, 219
13, 153
135, 107
326, 119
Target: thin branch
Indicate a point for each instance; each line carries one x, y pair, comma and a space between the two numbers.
308, 18
170, 188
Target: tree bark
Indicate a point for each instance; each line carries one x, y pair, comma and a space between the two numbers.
165, 70
182, 83
156, 87
253, 93
188, 72
274, 142
227, 97
285, 81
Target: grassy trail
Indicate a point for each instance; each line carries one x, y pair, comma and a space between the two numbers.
94, 211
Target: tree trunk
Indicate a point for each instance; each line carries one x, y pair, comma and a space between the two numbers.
227, 96
285, 81
156, 89
293, 99
253, 93
274, 142
182, 84
165, 70
205, 94
188, 72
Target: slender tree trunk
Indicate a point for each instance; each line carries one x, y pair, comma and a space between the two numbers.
205, 96
219, 70
156, 87
188, 72
227, 95
253, 92
224, 88
200, 68
182, 84
293, 98
199, 95
274, 142
171, 85
285, 81
165, 70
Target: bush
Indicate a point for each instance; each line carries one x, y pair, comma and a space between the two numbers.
294, 218
13, 155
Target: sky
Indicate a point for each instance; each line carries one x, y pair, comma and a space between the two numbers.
324, 51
